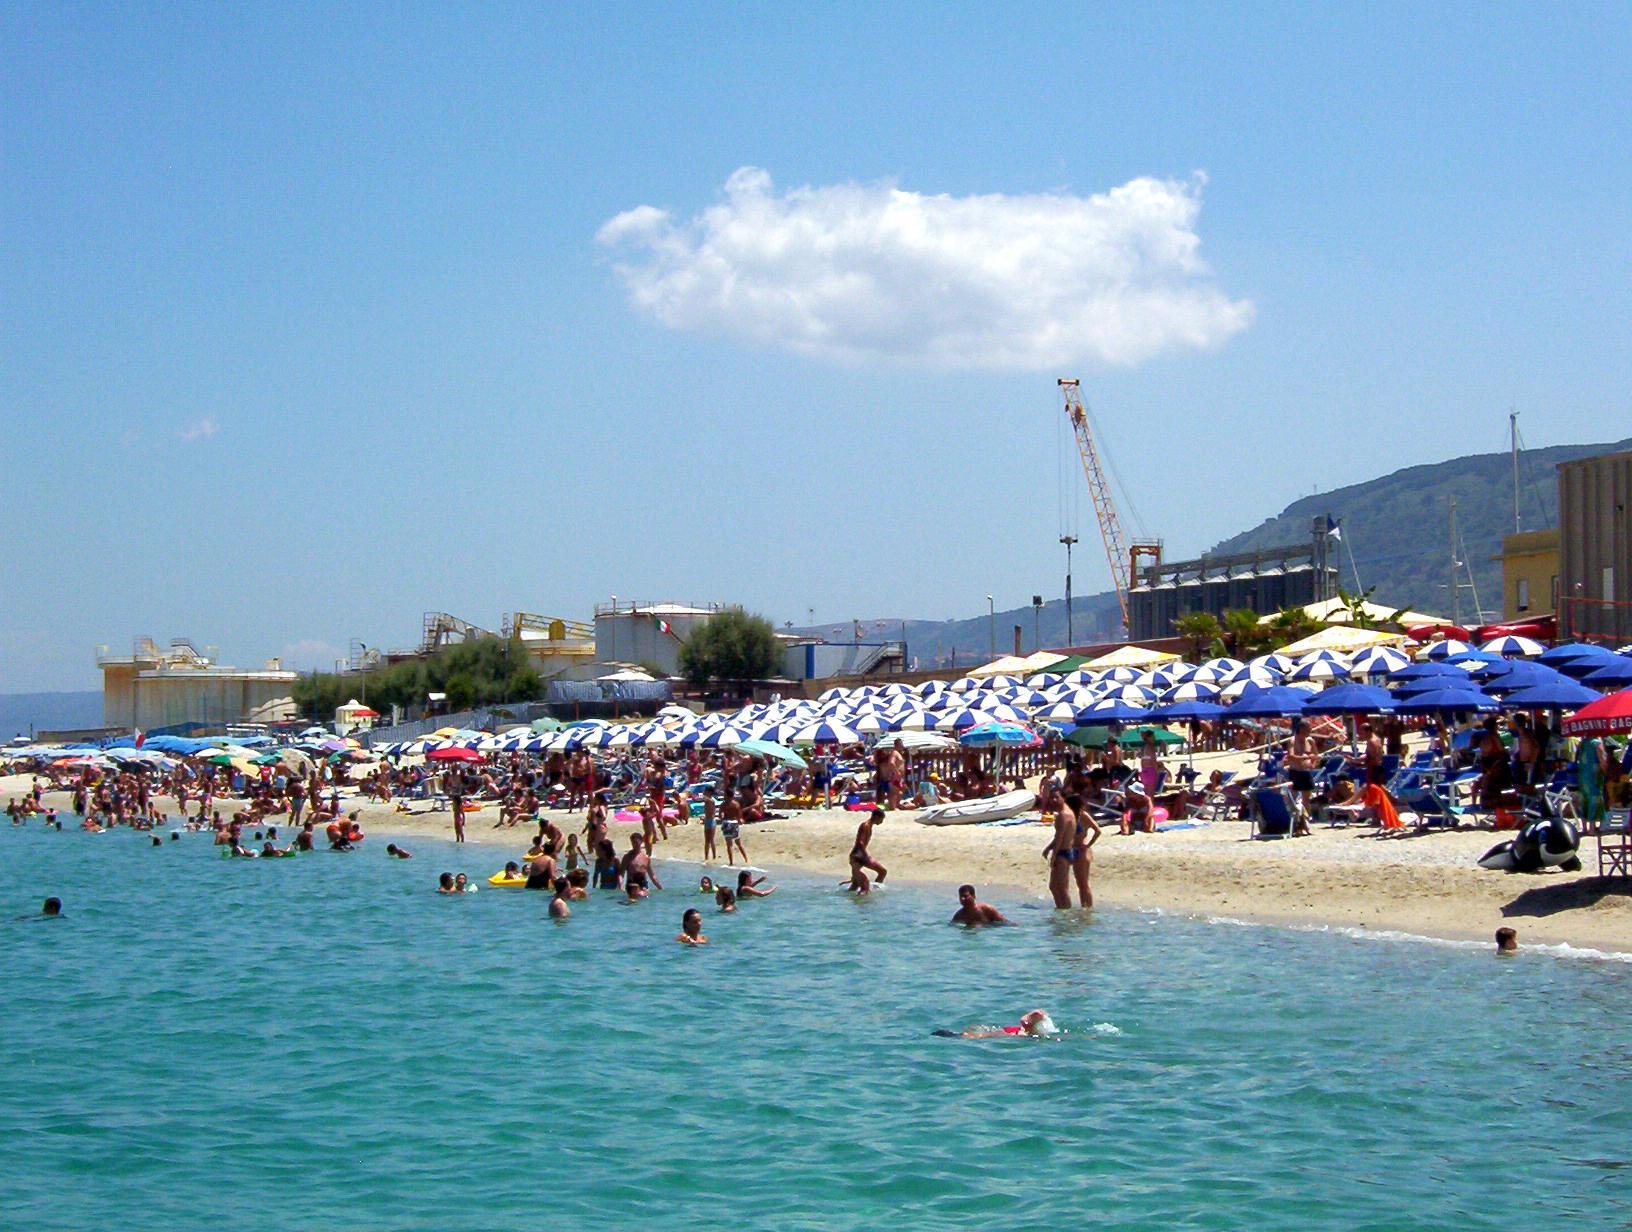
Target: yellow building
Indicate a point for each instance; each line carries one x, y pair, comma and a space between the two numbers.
153, 688
1529, 574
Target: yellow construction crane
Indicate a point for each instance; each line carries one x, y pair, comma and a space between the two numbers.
1124, 560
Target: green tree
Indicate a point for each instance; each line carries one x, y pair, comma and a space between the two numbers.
1243, 633
478, 672
1290, 625
731, 645
1199, 629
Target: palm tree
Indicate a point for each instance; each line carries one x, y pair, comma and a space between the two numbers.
1199, 629
1243, 633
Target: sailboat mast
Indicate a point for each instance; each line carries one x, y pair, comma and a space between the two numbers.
1513, 437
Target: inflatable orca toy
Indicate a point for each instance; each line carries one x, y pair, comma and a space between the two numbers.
1551, 842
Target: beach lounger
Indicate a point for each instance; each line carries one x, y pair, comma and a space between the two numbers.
1272, 813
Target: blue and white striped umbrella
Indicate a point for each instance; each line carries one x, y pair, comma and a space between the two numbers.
1057, 712
918, 720
1323, 656
726, 737
872, 725
1225, 664
1045, 680
1273, 662
1378, 661
1190, 691
1002, 712
1120, 675
1444, 650
1107, 711
827, 732
1178, 673
1130, 693
1320, 669
1511, 647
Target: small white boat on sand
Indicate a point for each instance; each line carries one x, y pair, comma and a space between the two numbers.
971, 812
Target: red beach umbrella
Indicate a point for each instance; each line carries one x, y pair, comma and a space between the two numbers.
1608, 714
453, 754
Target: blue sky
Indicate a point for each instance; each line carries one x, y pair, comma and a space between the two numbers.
307, 327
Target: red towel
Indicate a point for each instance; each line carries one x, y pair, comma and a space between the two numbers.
1382, 807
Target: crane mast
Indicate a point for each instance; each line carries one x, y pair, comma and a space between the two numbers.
1117, 552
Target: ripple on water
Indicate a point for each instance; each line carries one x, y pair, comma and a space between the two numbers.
323, 1042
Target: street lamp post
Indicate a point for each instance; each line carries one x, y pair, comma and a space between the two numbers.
1036, 623
991, 620
1070, 632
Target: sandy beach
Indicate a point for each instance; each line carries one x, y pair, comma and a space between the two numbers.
1423, 883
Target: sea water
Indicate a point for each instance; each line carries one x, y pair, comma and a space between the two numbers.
206, 1043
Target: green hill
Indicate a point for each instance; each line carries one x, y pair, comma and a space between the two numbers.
1397, 526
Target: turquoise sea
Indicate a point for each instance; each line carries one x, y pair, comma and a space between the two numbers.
326, 1043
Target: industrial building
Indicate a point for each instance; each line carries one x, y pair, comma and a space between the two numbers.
647, 634
1595, 548
1529, 574
1264, 581
153, 688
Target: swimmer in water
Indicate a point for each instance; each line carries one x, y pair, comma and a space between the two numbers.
691, 928
558, 904
1036, 1024
749, 886
52, 910
705, 885
461, 885
1507, 941
391, 849
973, 913
444, 884
726, 899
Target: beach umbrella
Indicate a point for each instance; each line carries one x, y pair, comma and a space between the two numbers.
725, 737
1107, 711
1274, 662
1190, 691
1562, 694
1044, 680
1319, 669
1350, 699
1444, 650
772, 751
873, 724
1322, 656
1511, 647
453, 752
1558, 656
1059, 712
1445, 701
1275, 702
1603, 717
1120, 675
827, 732
989, 735
1191, 710
1429, 671
1131, 693
1615, 673
1378, 661
1136, 735
1512, 674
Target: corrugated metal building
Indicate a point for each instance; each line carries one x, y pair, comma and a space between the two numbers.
1595, 547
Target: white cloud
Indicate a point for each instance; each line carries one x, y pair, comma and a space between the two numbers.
200, 431
860, 271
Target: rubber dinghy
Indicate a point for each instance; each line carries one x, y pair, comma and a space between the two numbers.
972, 812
